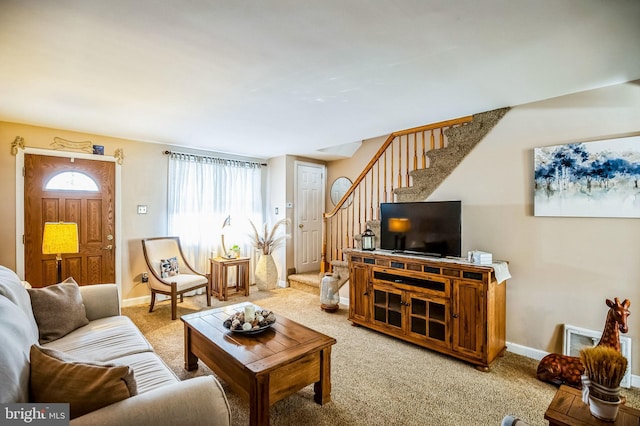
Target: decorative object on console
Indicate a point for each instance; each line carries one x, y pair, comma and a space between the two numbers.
480, 257
592, 179
60, 238
399, 226
604, 368
564, 369
368, 239
329, 294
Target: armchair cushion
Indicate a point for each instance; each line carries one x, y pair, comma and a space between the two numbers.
86, 386
58, 310
169, 267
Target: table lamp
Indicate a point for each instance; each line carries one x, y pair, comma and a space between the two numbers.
59, 238
225, 224
399, 226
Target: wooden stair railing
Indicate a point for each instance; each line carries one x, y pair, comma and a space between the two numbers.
401, 153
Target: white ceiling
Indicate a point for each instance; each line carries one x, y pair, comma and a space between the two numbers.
274, 77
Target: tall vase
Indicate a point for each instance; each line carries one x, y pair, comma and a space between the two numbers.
266, 273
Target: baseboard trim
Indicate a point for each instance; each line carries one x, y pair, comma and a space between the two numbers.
134, 301
538, 355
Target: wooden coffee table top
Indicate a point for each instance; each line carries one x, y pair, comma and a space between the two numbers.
259, 353
567, 409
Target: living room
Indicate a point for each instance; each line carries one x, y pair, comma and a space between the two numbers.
563, 268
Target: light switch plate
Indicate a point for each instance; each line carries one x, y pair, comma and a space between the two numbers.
142, 209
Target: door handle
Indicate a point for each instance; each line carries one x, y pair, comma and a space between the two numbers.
109, 247
300, 226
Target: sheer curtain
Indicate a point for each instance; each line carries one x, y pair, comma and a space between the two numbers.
202, 193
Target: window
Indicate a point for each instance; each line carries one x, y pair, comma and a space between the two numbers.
202, 193
71, 181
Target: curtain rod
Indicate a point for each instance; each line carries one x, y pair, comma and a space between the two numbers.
208, 157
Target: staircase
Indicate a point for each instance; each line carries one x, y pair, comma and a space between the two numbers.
310, 281
409, 166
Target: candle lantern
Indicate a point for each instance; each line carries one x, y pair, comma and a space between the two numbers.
329, 294
368, 240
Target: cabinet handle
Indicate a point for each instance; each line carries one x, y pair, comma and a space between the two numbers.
455, 315
366, 293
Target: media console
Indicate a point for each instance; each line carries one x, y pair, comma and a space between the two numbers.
448, 305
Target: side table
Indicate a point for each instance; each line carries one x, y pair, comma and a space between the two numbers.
567, 409
220, 276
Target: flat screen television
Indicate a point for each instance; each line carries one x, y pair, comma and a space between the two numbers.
432, 228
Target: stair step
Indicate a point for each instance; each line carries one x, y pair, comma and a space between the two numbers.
309, 282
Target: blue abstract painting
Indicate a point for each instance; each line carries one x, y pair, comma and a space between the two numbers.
588, 179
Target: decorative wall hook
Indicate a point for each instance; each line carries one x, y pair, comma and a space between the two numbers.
119, 155
18, 142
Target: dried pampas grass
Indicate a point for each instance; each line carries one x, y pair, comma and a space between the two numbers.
604, 365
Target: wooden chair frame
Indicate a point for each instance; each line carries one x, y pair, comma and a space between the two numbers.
172, 286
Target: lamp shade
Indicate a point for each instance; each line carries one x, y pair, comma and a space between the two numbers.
60, 237
399, 224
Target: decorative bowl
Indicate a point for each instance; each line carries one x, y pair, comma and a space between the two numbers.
263, 320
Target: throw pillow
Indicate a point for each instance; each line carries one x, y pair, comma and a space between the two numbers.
58, 309
86, 386
169, 267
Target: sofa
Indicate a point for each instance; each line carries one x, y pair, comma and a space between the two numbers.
103, 358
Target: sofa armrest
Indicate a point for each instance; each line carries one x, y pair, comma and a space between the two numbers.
197, 401
100, 300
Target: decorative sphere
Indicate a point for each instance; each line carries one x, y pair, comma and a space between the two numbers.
247, 326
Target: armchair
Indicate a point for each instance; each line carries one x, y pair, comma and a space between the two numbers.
182, 278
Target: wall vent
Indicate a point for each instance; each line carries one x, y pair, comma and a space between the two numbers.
576, 338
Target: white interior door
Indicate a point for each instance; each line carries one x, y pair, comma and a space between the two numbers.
309, 190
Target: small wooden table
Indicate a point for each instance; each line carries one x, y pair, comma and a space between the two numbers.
261, 368
567, 409
220, 276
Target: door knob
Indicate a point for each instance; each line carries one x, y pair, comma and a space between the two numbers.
300, 226
109, 247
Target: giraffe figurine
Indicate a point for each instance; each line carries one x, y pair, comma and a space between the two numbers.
565, 369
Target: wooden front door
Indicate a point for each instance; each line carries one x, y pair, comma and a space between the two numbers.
70, 197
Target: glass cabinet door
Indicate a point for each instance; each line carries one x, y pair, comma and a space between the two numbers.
429, 318
387, 306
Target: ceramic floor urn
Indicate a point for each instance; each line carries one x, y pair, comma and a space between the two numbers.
266, 273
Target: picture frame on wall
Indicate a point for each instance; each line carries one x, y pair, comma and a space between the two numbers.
588, 179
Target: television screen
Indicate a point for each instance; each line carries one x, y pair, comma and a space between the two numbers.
431, 228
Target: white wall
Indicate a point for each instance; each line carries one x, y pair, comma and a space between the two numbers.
276, 198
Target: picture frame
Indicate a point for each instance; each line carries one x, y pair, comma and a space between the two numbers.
588, 179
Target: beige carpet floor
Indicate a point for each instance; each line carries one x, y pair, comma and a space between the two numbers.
376, 379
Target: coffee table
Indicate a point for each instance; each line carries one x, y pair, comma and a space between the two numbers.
567, 409
262, 368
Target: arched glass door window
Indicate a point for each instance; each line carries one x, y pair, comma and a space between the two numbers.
71, 181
